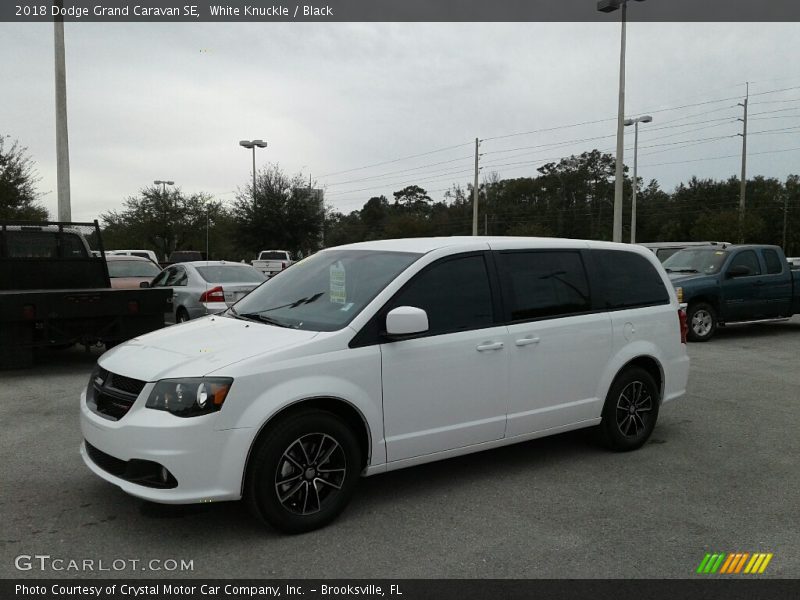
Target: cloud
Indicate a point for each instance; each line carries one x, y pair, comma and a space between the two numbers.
154, 101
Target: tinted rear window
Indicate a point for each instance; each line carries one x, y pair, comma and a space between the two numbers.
273, 256
544, 284
773, 261
230, 274
627, 280
43, 244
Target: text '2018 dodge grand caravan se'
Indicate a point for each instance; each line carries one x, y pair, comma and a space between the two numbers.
380, 355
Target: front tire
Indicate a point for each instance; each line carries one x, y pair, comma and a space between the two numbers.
702, 321
303, 471
631, 410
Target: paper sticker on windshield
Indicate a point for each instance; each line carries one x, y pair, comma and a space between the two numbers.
338, 284
719, 253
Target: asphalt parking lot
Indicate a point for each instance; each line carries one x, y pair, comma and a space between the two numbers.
719, 474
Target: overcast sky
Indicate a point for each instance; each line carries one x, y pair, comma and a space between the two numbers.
164, 101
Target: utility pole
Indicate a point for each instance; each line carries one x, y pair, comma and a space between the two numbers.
743, 184
785, 216
475, 191
62, 138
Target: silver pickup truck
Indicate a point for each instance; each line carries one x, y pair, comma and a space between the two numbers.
272, 262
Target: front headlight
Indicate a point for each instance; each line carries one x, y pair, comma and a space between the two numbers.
190, 397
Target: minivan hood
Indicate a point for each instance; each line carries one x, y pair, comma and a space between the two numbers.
198, 347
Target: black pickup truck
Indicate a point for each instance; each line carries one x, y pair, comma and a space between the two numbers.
733, 284
55, 291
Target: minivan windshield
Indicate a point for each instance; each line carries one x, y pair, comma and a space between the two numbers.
323, 292
696, 260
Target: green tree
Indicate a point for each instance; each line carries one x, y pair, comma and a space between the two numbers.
18, 178
164, 221
413, 198
284, 212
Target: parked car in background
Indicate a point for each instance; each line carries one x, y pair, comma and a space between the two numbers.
149, 254
206, 287
733, 284
272, 262
181, 256
794, 261
663, 250
129, 272
381, 355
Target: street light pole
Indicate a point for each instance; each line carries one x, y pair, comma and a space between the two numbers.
252, 145
62, 137
163, 183
610, 6
635, 123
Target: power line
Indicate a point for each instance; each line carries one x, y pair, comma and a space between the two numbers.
678, 162
388, 162
381, 175
541, 130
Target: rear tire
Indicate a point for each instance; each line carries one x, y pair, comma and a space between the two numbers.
181, 316
303, 471
702, 320
631, 410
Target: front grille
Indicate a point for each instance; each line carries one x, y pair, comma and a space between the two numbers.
112, 404
111, 395
125, 384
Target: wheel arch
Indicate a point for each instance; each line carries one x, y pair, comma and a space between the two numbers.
351, 414
710, 299
650, 364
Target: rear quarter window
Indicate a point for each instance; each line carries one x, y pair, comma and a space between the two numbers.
773, 261
626, 280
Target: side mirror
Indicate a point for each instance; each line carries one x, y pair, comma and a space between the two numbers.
144, 284
738, 271
406, 320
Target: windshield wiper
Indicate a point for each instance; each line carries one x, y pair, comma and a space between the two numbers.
263, 319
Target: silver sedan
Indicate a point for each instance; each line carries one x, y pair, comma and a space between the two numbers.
206, 287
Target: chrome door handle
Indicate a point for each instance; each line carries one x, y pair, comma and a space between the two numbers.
527, 341
490, 346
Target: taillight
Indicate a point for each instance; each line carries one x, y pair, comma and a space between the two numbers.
29, 312
283, 265
684, 325
215, 294
133, 307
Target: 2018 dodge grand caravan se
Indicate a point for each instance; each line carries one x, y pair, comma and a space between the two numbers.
381, 355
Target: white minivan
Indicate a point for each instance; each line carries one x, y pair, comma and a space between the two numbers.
381, 355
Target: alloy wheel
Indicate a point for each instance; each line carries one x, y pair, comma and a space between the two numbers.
633, 405
310, 472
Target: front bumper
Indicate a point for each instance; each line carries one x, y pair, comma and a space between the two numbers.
207, 463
